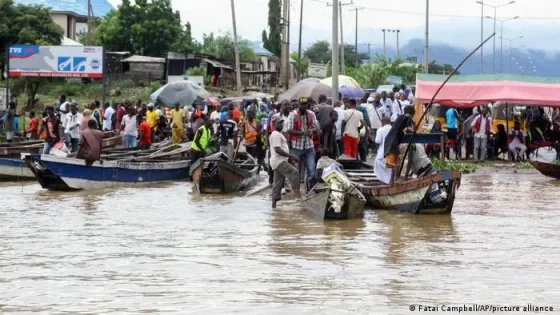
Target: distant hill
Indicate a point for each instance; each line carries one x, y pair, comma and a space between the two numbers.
546, 64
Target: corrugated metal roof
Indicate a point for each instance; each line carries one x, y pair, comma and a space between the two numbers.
78, 7
260, 50
145, 59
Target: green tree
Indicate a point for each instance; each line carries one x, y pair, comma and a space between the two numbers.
145, 28
370, 75
398, 68
196, 71
304, 63
435, 68
221, 47
319, 52
274, 41
351, 57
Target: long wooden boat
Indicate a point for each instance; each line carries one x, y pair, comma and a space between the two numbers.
12, 166
214, 174
547, 169
318, 204
62, 173
412, 195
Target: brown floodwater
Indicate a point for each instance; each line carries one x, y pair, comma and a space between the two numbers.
165, 250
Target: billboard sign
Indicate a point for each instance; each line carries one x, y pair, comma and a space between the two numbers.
317, 70
56, 61
393, 79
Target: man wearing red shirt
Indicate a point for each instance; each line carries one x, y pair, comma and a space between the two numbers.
144, 134
33, 129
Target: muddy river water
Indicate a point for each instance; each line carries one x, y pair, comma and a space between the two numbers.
166, 250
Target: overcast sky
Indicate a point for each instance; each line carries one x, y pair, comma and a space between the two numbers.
453, 22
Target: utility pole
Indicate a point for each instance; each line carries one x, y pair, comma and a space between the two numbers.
427, 45
356, 45
89, 21
384, 45
369, 53
335, 51
495, 7
482, 36
285, 73
340, 4
398, 46
299, 45
236, 49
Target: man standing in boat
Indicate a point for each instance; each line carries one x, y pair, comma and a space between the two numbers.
281, 162
91, 144
300, 126
144, 134
51, 127
201, 140
71, 126
380, 169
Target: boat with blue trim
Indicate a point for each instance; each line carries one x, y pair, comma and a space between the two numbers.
63, 173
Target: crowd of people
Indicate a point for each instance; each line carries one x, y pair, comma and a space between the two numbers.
471, 132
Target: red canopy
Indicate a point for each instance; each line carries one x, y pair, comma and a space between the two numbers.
472, 90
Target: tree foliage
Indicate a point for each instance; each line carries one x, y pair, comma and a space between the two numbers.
196, 71
221, 46
370, 75
145, 28
304, 62
434, 68
320, 52
273, 42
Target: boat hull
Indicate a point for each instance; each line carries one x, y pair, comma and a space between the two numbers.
547, 169
412, 196
317, 206
14, 169
56, 173
215, 176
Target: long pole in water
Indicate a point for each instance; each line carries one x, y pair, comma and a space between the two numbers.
236, 49
434, 97
299, 45
335, 51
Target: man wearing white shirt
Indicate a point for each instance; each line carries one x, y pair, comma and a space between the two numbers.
397, 108
403, 100
379, 168
387, 104
482, 126
107, 117
71, 126
340, 111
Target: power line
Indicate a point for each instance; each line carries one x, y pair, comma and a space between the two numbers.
440, 14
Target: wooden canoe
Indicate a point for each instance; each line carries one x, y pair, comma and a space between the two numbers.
412, 195
214, 174
547, 169
318, 206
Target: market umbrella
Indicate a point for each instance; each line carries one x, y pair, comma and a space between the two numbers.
351, 92
311, 89
309, 80
342, 81
182, 92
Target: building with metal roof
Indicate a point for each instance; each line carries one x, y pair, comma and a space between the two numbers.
72, 15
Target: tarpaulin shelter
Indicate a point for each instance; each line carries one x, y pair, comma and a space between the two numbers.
464, 91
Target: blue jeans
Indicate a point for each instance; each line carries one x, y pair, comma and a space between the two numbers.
129, 141
308, 157
47, 148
